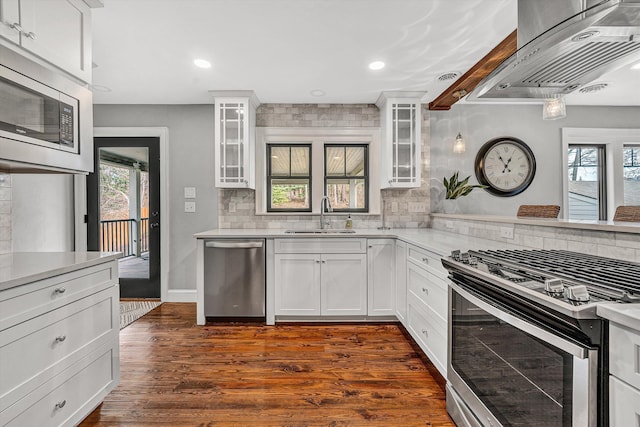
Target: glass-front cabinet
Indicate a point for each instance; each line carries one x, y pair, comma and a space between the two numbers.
235, 114
400, 121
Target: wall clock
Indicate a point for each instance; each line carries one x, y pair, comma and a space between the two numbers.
506, 165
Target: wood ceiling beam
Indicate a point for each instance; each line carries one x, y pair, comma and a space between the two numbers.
469, 80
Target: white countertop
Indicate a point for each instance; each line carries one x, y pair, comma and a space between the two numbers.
19, 268
616, 226
623, 314
440, 242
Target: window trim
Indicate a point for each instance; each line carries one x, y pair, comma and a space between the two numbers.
269, 177
614, 139
317, 136
365, 176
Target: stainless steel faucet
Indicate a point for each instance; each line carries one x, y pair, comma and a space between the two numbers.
325, 223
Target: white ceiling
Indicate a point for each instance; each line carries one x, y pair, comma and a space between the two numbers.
284, 49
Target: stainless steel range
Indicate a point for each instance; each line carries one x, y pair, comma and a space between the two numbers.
526, 347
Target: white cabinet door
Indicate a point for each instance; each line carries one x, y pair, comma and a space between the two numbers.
58, 31
381, 273
344, 284
9, 17
297, 289
401, 281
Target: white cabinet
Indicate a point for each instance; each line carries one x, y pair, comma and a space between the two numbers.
234, 125
381, 273
58, 31
427, 304
401, 126
401, 281
59, 346
624, 381
309, 281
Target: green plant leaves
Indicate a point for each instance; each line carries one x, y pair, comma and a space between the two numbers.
456, 188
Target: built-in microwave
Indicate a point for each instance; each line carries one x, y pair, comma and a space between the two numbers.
35, 113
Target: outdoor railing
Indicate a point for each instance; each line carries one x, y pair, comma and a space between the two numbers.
118, 235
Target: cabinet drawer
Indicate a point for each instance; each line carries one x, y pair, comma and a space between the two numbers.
428, 260
430, 332
427, 288
624, 354
328, 245
33, 350
25, 302
68, 397
624, 404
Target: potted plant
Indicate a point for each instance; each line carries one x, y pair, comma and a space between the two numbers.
455, 188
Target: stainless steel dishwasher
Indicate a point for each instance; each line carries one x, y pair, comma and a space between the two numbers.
234, 280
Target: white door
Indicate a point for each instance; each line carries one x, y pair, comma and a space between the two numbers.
381, 273
297, 284
344, 284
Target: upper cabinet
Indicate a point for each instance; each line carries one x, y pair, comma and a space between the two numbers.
58, 31
235, 116
400, 122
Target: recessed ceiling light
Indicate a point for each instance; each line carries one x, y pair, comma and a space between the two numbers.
636, 66
596, 87
376, 65
317, 92
202, 63
451, 75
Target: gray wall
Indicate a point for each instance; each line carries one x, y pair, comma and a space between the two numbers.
190, 165
480, 123
42, 212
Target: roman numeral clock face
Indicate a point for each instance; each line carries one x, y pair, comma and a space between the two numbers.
506, 166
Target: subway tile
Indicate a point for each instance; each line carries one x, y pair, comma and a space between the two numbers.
627, 254
552, 243
627, 240
581, 247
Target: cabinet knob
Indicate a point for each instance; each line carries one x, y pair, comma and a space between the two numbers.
317, 261
324, 262
61, 338
59, 290
30, 35
425, 290
426, 333
16, 27
425, 260
61, 404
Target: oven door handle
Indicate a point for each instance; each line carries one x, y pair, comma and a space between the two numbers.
571, 348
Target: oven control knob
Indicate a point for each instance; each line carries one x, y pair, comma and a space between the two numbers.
553, 286
577, 293
464, 257
455, 255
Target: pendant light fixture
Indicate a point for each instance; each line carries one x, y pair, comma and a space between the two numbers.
459, 146
554, 108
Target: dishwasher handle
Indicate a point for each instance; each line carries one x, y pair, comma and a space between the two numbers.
233, 245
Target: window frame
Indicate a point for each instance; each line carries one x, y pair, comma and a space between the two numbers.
365, 177
269, 177
601, 165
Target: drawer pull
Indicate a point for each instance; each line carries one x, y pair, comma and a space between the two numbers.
425, 260
59, 290
425, 290
61, 404
426, 333
61, 338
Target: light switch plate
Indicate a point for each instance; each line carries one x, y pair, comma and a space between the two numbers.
506, 232
189, 207
189, 192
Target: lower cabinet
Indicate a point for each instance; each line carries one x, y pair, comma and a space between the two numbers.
401, 282
59, 346
382, 277
320, 284
624, 381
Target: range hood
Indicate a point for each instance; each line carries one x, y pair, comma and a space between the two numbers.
563, 45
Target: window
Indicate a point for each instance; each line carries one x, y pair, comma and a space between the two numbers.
346, 177
586, 179
289, 178
631, 174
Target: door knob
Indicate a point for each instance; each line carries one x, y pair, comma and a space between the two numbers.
154, 225
155, 213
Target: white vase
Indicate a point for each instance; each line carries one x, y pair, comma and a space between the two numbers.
450, 206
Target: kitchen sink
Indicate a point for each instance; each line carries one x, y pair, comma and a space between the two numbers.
320, 231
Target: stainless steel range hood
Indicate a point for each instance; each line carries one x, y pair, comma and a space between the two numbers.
563, 45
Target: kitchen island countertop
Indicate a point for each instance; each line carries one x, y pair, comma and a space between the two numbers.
623, 314
19, 268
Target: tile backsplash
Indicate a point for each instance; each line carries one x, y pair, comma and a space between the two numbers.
403, 208
5, 213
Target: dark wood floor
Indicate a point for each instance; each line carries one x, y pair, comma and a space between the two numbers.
176, 373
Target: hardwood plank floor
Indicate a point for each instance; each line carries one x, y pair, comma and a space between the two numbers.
176, 373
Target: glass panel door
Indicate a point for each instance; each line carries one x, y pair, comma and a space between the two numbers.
404, 142
232, 142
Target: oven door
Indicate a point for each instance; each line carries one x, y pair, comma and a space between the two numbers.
507, 371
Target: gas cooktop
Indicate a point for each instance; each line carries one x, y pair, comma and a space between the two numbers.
570, 282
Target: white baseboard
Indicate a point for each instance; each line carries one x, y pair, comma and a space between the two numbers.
181, 295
